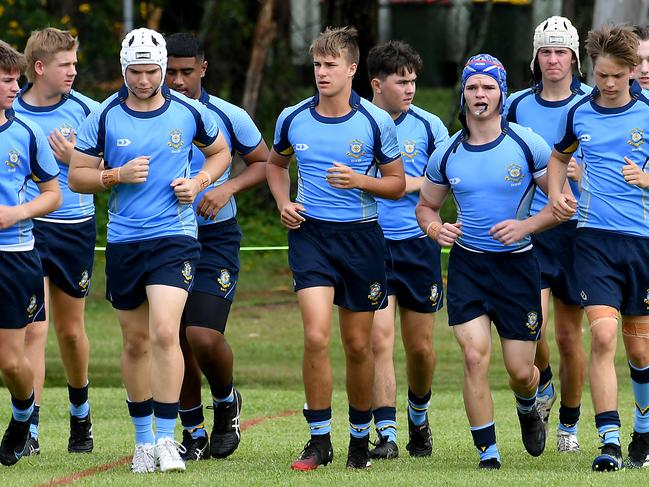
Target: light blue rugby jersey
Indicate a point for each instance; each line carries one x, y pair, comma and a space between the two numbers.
25, 155
419, 133
64, 116
491, 182
242, 136
527, 108
606, 136
118, 134
361, 139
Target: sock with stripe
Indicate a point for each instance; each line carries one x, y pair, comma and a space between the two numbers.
484, 439
608, 427
418, 407
142, 417
193, 421
385, 420
640, 381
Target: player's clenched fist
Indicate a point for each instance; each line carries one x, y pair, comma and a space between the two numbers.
135, 171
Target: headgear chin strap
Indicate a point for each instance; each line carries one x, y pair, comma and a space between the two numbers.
144, 46
489, 66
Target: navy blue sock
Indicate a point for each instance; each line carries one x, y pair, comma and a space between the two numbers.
223, 394
385, 420
545, 382
79, 406
525, 405
418, 407
359, 422
484, 439
193, 421
319, 421
640, 382
22, 409
568, 418
142, 417
34, 419
165, 419
608, 426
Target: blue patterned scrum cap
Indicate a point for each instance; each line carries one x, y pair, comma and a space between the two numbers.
490, 66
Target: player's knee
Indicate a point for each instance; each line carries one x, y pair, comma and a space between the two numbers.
135, 347
316, 341
636, 339
568, 338
522, 375
357, 349
420, 352
476, 360
165, 338
382, 344
71, 336
204, 340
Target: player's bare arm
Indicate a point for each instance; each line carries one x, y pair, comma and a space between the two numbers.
279, 183
253, 174
563, 204
431, 197
391, 184
46, 202
217, 160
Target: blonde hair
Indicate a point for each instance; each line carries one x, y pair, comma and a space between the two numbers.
336, 41
617, 41
42, 45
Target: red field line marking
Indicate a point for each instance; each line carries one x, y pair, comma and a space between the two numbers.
68, 479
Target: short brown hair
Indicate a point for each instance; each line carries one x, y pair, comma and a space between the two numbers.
333, 41
11, 61
42, 45
617, 41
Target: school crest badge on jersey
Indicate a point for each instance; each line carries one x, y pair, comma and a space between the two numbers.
356, 149
514, 173
66, 130
409, 149
31, 307
85, 280
434, 294
13, 160
187, 272
176, 139
636, 138
375, 292
224, 280
532, 322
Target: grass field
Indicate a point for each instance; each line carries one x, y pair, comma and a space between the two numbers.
265, 333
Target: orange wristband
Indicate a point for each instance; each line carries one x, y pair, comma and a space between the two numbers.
436, 229
109, 178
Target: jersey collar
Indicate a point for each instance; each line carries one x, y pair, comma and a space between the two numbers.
123, 95
635, 90
354, 103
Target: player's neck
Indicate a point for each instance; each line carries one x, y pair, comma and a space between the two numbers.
336, 105
40, 95
146, 105
556, 90
379, 102
483, 131
3, 117
623, 99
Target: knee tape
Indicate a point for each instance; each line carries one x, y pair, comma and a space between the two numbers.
635, 326
601, 314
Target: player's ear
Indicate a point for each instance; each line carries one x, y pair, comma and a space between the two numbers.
203, 68
375, 83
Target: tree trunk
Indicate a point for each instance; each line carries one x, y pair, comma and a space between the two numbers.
265, 32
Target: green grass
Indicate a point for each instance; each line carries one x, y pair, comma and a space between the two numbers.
266, 335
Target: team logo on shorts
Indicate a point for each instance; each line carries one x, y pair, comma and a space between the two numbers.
176, 139
66, 130
532, 321
187, 272
85, 280
434, 294
224, 280
375, 292
14, 160
31, 308
514, 173
646, 299
356, 149
584, 296
637, 137
409, 149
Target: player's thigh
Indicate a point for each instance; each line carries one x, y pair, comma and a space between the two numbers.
316, 307
383, 326
416, 329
